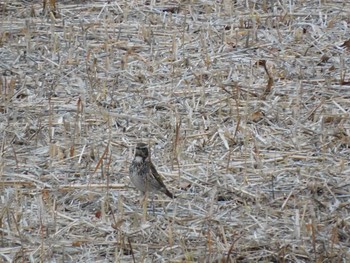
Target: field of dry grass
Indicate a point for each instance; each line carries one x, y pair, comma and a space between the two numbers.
245, 104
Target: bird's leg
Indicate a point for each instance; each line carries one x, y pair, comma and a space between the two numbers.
145, 203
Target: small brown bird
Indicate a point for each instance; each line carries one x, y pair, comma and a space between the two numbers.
143, 173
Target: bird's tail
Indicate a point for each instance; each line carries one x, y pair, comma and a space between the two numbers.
168, 193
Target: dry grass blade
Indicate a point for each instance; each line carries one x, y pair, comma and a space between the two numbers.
244, 103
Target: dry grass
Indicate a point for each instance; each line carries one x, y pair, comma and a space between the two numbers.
246, 109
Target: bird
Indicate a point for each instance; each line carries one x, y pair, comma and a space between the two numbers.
143, 174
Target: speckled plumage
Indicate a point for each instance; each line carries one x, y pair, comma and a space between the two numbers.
143, 173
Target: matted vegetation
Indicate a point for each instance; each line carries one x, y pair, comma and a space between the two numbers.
246, 107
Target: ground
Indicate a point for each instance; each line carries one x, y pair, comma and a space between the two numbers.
245, 105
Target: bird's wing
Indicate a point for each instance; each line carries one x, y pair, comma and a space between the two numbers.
156, 175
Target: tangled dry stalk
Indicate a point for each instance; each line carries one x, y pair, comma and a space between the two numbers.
246, 106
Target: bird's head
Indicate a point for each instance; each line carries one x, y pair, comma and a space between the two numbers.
141, 150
